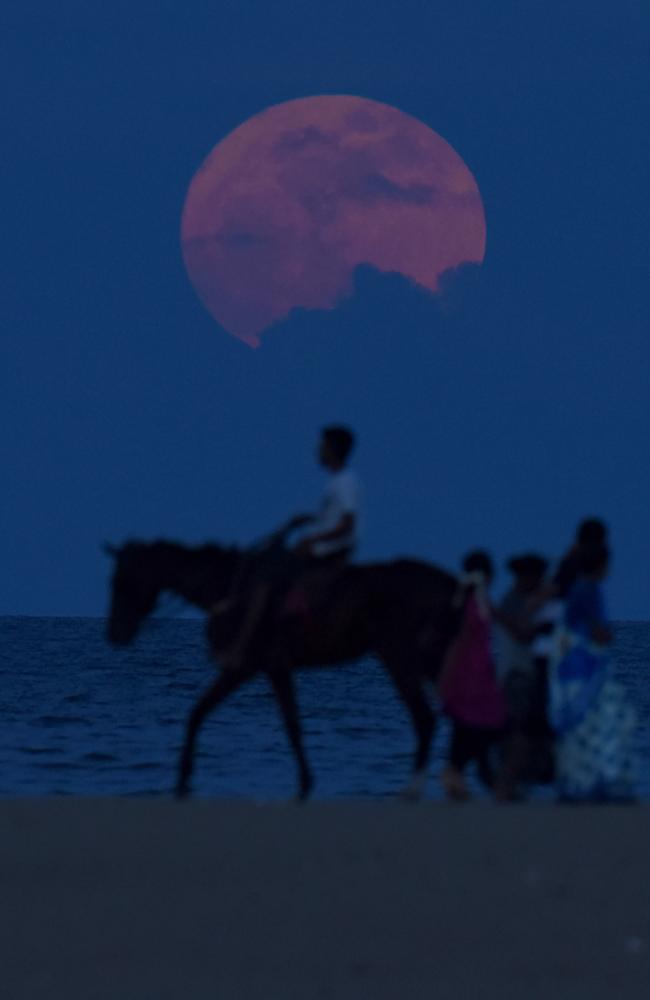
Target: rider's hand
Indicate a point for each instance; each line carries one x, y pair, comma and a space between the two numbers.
299, 521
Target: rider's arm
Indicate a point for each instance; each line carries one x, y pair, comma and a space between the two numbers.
299, 521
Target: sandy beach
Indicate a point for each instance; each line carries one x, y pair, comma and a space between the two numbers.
152, 899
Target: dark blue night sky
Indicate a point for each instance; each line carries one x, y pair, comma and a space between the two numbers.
499, 420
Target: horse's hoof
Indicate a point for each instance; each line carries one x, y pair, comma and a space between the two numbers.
182, 791
305, 790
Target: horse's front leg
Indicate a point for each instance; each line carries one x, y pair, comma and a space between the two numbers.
409, 688
283, 688
225, 685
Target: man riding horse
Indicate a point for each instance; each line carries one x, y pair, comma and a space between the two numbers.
401, 613
308, 567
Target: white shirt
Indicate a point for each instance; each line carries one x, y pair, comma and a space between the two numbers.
511, 654
550, 613
341, 496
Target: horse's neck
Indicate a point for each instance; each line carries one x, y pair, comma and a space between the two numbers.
201, 576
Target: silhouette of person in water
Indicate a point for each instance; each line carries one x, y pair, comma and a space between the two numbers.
468, 687
330, 541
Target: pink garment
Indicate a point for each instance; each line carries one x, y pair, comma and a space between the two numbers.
469, 689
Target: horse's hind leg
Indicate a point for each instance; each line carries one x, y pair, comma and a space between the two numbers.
410, 691
283, 688
218, 692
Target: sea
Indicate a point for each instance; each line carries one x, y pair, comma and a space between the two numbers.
80, 717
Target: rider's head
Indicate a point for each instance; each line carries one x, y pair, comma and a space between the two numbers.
336, 443
591, 532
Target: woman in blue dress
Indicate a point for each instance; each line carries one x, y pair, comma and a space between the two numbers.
588, 709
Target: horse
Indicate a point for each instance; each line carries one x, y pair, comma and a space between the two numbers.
402, 612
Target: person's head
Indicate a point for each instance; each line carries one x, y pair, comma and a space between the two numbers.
529, 571
591, 532
479, 561
594, 562
336, 443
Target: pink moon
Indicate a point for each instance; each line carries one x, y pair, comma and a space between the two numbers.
289, 204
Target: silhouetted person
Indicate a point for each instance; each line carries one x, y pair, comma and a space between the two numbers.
519, 671
588, 708
591, 534
330, 541
590, 538
334, 530
468, 686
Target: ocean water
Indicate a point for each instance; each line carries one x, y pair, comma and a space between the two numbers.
82, 718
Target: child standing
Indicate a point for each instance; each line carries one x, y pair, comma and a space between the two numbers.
468, 685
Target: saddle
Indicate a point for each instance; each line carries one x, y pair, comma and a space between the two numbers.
309, 593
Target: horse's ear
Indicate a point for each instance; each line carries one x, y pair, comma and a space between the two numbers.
110, 550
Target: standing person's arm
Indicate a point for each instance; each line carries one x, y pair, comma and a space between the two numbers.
514, 618
601, 633
518, 626
586, 611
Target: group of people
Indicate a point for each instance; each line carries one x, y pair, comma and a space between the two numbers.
526, 681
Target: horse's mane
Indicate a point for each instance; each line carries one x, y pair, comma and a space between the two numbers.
198, 573
164, 550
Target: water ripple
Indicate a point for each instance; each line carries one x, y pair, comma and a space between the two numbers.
79, 717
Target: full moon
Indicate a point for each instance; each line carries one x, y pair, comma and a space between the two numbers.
287, 205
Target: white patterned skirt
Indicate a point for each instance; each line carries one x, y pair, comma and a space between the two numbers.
595, 758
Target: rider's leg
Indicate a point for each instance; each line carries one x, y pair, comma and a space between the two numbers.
232, 657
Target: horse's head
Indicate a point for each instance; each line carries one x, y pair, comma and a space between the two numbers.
134, 591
